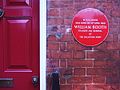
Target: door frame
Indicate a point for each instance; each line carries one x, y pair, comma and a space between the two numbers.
42, 38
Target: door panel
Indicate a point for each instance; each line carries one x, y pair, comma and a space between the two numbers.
19, 2
18, 39
19, 43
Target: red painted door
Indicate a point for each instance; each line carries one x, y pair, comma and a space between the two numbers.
19, 44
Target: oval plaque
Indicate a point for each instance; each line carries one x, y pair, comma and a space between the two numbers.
90, 27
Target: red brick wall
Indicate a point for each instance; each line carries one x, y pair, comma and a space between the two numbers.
81, 67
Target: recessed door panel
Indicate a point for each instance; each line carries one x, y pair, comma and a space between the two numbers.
18, 2
18, 41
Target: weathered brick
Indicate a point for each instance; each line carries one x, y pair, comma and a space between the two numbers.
99, 79
114, 87
67, 38
63, 46
51, 38
70, 46
53, 63
102, 46
66, 55
115, 12
67, 21
79, 80
55, 4
109, 38
80, 63
97, 87
98, 55
113, 45
55, 54
79, 54
62, 80
113, 80
55, 21
53, 12
98, 71
79, 71
101, 63
64, 72
66, 87
62, 63
53, 46
78, 87
78, 46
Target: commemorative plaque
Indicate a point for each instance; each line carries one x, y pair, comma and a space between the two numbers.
90, 27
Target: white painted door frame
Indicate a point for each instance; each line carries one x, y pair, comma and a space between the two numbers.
42, 36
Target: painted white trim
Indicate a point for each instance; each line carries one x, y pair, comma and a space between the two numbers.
42, 34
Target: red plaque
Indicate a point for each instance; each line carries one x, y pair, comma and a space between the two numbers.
90, 27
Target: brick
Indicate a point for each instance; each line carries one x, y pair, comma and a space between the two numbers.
99, 79
51, 38
108, 4
66, 71
79, 71
67, 38
113, 80
66, 87
114, 87
113, 45
102, 46
55, 54
55, 21
62, 80
115, 37
52, 63
62, 63
80, 80
97, 87
99, 63
78, 46
115, 12
109, 37
63, 46
78, 87
53, 46
49, 70
79, 1
114, 28
67, 21
115, 54
67, 12
98, 55
79, 54
66, 55
97, 71
54, 4
70, 46
80, 63
67, 3
53, 12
